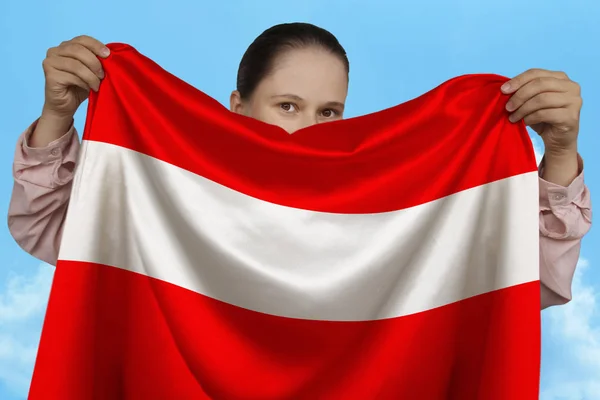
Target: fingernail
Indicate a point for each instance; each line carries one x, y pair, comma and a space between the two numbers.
101, 74
505, 88
511, 118
105, 52
510, 106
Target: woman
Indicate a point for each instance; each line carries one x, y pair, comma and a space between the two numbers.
293, 76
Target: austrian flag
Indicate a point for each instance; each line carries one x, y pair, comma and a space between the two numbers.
207, 255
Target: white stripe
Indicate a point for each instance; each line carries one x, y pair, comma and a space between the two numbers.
135, 212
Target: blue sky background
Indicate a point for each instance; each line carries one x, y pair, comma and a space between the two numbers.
398, 50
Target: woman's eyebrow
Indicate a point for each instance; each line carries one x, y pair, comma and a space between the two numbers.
335, 104
288, 96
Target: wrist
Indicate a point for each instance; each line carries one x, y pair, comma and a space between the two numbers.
561, 167
561, 155
555, 149
50, 127
56, 118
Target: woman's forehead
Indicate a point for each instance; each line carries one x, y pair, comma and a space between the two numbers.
307, 74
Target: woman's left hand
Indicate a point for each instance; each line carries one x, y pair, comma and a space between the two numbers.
550, 103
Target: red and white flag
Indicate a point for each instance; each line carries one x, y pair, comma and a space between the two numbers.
209, 255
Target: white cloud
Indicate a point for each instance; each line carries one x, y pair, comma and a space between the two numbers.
574, 331
585, 389
21, 298
23, 301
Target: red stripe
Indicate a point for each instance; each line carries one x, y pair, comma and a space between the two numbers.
455, 137
114, 334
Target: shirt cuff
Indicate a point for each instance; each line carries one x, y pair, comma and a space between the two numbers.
553, 195
53, 151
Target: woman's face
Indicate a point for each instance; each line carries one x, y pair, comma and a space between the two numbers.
306, 87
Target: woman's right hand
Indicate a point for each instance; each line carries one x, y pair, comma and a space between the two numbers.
71, 69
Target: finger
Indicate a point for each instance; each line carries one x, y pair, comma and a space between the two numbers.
553, 116
84, 55
76, 68
520, 80
68, 79
539, 102
94, 45
534, 88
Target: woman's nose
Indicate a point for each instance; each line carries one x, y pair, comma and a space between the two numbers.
309, 119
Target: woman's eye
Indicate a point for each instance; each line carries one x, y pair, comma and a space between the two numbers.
287, 107
329, 113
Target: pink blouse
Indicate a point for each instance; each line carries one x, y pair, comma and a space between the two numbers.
43, 179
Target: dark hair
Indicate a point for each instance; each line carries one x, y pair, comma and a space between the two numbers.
258, 59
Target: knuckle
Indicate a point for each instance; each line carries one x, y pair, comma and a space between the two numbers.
81, 40
538, 84
519, 97
76, 67
74, 48
540, 100
50, 52
69, 62
539, 115
45, 64
576, 103
87, 74
517, 101
550, 97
